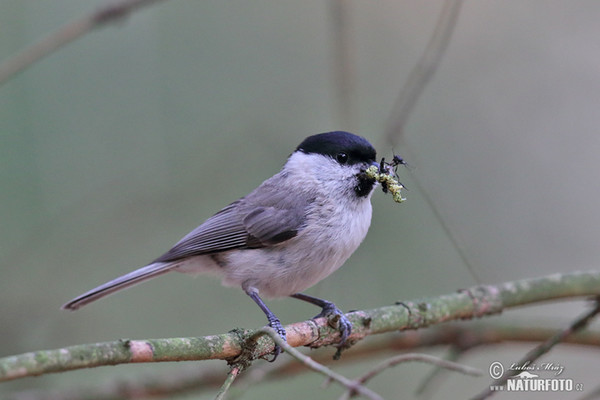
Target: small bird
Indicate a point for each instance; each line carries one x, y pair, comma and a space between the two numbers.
291, 232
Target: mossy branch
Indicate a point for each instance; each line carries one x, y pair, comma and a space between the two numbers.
470, 303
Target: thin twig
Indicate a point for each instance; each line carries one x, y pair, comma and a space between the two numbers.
423, 71
410, 93
233, 373
402, 358
418, 78
320, 368
591, 395
66, 34
544, 347
437, 361
344, 63
428, 381
452, 235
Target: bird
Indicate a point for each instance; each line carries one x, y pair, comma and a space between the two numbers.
292, 231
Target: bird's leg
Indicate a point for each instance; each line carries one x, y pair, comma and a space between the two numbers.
329, 310
274, 322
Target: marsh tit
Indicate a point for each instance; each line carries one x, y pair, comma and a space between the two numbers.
291, 232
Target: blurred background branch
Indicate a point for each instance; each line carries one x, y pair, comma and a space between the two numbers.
422, 72
344, 64
69, 32
409, 95
579, 324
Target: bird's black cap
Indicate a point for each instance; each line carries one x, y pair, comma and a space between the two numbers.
332, 144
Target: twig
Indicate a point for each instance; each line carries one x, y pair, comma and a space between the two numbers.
233, 373
472, 303
452, 235
591, 395
544, 347
320, 368
344, 63
393, 361
66, 34
410, 93
429, 380
423, 71
437, 361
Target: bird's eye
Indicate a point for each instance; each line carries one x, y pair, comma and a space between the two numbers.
342, 158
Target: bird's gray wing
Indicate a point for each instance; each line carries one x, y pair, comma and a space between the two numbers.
263, 218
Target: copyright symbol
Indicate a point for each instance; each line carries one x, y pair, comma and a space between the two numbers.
496, 370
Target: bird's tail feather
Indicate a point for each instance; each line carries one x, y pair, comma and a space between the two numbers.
122, 282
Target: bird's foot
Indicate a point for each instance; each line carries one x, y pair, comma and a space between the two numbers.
338, 320
276, 325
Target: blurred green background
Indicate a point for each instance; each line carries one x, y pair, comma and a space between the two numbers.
114, 147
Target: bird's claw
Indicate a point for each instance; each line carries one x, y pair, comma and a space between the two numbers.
276, 325
338, 320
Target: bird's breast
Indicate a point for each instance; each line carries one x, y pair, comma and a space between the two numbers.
332, 233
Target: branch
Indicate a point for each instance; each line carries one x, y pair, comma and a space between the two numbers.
233, 373
402, 358
423, 71
66, 34
344, 63
465, 304
411, 91
544, 347
352, 386
189, 379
